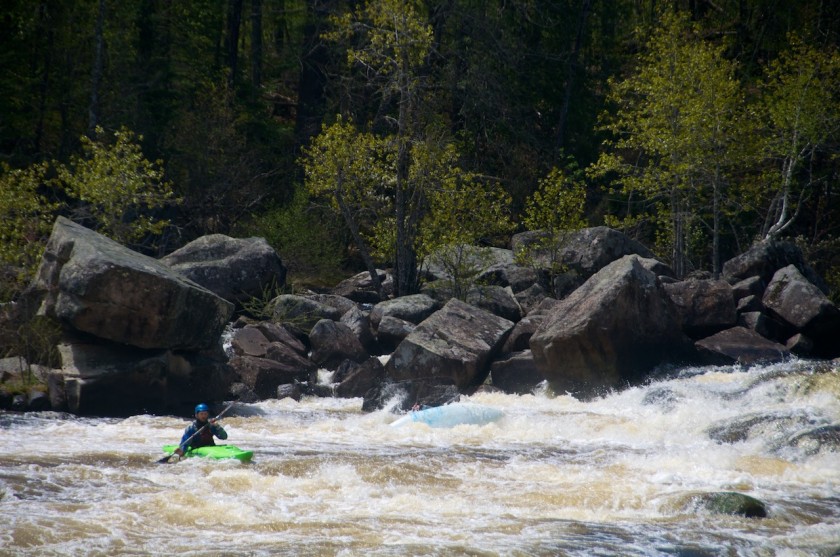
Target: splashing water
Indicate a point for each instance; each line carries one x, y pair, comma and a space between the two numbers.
618, 475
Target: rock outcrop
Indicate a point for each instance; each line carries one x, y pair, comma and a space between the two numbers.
94, 285
454, 345
236, 269
609, 332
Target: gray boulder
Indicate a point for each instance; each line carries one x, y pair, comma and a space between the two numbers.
359, 323
764, 259
516, 373
454, 345
94, 285
584, 252
498, 300
530, 298
612, 330
332, 343
266, 356
360, 288
517, 277
414, 309
794, 299
520, 337
302, 312
392, 331
703, 307
739, 345
236, 269
361, 378
280, 366
106, 379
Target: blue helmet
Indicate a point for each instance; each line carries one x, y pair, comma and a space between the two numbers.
201, 408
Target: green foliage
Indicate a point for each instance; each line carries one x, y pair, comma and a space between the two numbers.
463, 212
555, 209
111, 188
27, 217
463, 208
36, 341
117, 189
351, 172
396, 39
559, 202
307, 237
801, 106
675, 138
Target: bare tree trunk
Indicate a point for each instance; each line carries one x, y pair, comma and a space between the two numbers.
256, 43
312, 81
405, 276
570, 73
234, 21
96, 72
364, 251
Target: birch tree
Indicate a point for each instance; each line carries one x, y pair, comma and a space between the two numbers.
801, 104
674, 140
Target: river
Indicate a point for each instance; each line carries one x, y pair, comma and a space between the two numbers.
617, 475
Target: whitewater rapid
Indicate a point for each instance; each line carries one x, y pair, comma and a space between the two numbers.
617, 475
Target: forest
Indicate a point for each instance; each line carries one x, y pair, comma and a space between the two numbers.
361, 134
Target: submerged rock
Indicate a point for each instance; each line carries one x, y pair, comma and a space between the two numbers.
825, 438
730, 502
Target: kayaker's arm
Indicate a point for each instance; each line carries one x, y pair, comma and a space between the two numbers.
218, 431
189, 434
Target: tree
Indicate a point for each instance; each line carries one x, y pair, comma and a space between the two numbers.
118, 191
348, 168
393, 45
555, 209
27, 216
801, 104
674, 142
110, 187
465, 210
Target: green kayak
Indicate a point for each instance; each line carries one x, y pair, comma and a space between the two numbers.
215, 451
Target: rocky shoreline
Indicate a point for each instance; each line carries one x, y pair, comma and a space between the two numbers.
140, 335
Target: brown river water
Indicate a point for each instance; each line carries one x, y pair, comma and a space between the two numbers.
617, 475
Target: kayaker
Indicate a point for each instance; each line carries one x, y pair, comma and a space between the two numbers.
200, 433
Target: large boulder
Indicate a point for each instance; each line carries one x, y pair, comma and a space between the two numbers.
302, 312
414, 309
740, 345
94, 285
765, 258
333, 342
236, 269
454, 345
612, 330
791, 297
704, 307
361, 378
360, 287
516, 373
498, 300
106, 379
584, 252
266, 356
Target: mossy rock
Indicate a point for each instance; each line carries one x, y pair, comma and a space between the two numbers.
730, 502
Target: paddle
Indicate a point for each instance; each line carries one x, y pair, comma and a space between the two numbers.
165, 459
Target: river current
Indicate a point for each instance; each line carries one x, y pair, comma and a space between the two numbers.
617, 475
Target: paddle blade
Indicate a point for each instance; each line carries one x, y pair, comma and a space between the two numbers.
170, 458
